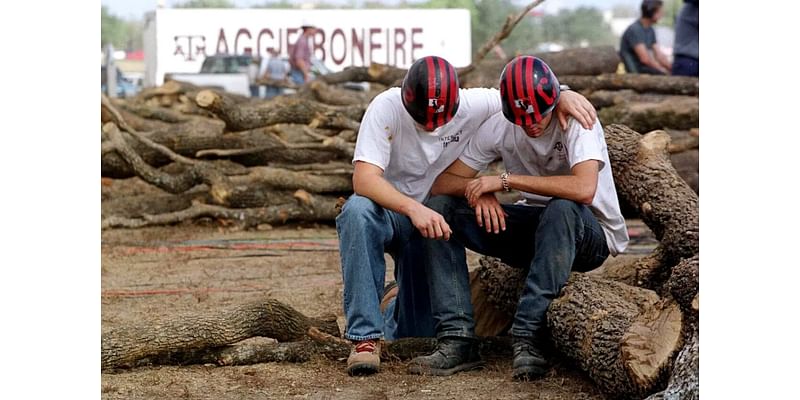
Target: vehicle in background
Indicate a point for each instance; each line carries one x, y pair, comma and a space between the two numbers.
125, 86
225, 72
229, 73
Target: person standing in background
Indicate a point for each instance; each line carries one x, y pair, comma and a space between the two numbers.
276, 70
687, 40
300, 56
252, 77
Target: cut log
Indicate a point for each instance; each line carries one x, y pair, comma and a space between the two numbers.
386, 75
579, 61
684, 285
270, 318
336, 96
623, 336
646, 180
140, 205
309, 209
582, 61
676, 112
607, 98
149, 112
280, 109
641, 83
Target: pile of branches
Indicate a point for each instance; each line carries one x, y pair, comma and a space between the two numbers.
208, 153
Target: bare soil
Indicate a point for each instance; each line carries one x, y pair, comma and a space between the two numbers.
194, 267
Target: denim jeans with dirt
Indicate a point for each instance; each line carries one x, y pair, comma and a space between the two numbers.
548, 241
367, 231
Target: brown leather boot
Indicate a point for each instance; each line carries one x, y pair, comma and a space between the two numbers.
365, 358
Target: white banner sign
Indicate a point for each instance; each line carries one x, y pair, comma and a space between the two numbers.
178, 40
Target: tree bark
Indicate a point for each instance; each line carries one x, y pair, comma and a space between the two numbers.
315, 208
623, 336
578, 61
607, 98
386, 75
279, 110
270, 318
676, 112
646, 180
641, 83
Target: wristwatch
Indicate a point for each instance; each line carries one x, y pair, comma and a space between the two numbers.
504, 181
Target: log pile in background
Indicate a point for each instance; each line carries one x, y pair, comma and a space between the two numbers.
215, 155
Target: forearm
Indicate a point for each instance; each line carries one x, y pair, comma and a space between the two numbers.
450, 184
568, 187
662, 60
379, 190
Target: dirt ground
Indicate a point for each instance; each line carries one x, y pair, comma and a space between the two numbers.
190, 268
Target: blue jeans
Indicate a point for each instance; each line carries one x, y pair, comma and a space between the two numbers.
547, 241
367, 231
685, 66
297, 76
273, 91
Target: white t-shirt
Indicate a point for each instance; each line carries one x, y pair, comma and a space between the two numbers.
411, 159
553, 153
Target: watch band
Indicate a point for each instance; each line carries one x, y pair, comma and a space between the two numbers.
504, 181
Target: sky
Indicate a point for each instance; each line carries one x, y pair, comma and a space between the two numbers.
135, 9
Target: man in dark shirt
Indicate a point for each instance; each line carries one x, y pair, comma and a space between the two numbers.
687, 40
638, 48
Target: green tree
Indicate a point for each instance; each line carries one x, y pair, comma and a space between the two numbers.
573, 28
206, 4
112, 29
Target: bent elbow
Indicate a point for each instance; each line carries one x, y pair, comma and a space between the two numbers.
588, 197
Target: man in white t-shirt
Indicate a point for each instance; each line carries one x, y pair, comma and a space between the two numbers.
408, 136
569, 218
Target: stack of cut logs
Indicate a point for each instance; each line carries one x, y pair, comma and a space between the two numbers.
181, 153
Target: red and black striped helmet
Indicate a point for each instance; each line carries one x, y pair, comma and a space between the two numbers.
430, 92
528, 89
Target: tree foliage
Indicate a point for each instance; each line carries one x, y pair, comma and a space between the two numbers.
122, 34
206, 4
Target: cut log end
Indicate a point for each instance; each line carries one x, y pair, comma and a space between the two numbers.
650, 344
205, 98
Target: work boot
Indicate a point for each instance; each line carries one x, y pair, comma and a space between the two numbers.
452, 355
529, 361
365, 358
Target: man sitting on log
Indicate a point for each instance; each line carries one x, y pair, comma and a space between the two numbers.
569, 217
408, 136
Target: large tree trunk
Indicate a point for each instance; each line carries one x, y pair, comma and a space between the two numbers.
623, 336
269, 318
675, 112
641, 83
646, 180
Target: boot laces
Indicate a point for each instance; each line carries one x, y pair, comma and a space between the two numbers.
367, 346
